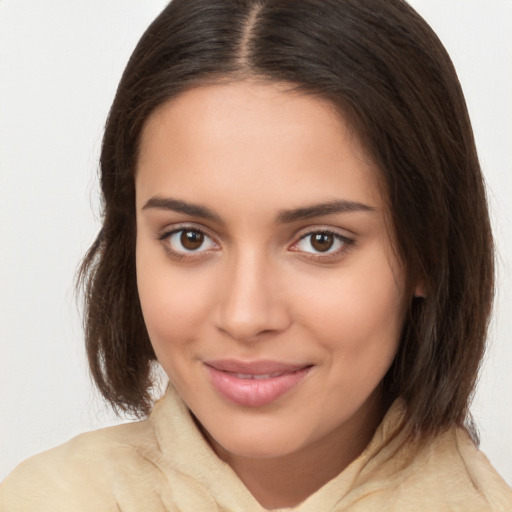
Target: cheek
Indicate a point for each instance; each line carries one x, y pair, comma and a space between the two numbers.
360, 313
170, 300
357, 323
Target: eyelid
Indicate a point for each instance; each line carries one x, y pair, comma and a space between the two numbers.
324, 228
179, 226
348, 242
168, 231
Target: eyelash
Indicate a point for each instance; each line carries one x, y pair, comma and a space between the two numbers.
165, 238
346, 244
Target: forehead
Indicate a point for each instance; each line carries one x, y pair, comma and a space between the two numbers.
244, 138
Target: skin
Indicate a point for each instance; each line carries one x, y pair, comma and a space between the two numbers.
258, 288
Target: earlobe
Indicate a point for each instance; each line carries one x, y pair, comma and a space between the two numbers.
419, 290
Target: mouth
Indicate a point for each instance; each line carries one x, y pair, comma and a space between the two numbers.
256, 383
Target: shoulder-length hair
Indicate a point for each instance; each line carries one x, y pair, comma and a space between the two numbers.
381, 64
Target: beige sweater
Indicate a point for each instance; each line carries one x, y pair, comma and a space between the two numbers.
164, 464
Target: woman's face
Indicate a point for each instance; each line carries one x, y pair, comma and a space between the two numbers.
268, 282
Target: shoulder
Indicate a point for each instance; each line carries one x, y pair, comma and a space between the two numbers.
444, 473
484, 479
80, 474
451, 473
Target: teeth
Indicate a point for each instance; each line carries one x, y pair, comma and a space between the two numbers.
263, 376
258, 377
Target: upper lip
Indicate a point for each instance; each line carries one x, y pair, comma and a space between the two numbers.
260, 367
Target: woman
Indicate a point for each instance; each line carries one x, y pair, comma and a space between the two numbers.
295, 227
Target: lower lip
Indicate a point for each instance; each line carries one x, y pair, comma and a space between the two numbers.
254, 392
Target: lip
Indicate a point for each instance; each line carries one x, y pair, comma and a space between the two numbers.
254, 383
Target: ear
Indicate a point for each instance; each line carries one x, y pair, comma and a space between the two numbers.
419, 290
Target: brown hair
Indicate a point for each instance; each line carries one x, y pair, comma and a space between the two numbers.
383, 66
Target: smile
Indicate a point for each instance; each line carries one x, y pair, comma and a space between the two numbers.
257, 377
254, 384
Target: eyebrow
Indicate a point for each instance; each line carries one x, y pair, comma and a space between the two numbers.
175, 205
284, 217
327, 208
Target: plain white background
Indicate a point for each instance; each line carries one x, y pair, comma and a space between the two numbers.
60, 61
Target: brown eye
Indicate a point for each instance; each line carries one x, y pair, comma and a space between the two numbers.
187, 240
191, 240
322, 242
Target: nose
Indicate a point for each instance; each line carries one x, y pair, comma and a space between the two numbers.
252, 303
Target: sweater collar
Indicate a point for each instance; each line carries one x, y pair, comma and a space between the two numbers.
184, 449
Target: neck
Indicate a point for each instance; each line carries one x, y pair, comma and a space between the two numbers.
286, 481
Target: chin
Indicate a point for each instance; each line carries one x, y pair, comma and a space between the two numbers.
258, 448
262, 440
